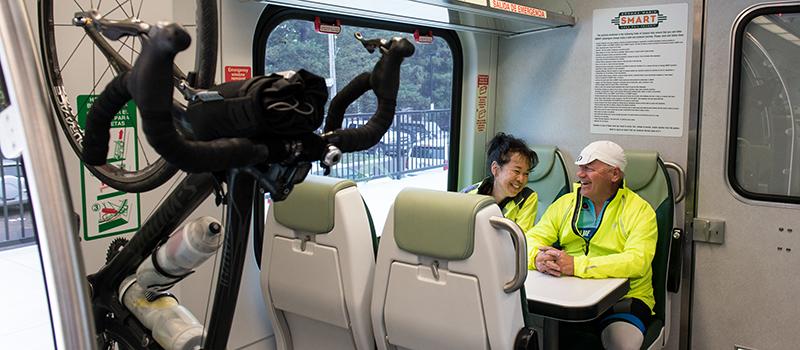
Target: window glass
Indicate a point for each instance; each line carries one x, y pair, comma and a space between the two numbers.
766, 112
16, 226
415, 150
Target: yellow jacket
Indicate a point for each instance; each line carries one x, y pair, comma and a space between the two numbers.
520, 209
623, 245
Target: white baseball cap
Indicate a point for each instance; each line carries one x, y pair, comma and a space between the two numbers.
605, 151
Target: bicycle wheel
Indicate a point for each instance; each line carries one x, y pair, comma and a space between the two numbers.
79, 64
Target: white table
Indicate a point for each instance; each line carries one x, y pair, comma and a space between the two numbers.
569, 299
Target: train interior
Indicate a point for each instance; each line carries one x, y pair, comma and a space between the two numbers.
698, 93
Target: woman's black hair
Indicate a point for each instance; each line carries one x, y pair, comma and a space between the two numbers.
503, 146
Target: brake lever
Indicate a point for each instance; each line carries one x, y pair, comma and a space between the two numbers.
372, 44
112, 29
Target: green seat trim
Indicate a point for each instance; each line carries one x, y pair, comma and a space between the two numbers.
641, 168
648, 177
310, 206
375, 238
549, 179
642, 176
547, 157
437, 224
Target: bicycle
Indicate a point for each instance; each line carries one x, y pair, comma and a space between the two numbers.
266, 143
60, 58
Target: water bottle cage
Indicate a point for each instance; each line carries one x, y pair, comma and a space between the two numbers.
160, 270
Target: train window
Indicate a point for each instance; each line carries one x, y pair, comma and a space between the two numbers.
764, 157
427, 103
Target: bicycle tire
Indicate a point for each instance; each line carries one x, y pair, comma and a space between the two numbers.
152, 174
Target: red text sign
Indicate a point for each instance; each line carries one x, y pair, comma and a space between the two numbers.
234, 73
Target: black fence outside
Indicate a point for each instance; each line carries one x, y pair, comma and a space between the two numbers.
416, 141
17, 218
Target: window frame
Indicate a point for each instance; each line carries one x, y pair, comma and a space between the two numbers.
274, 15
733, 105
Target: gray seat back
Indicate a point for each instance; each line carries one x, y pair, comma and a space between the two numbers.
318, 263
440, 275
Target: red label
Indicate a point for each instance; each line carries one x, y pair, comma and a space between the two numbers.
521, 9
483, 97
423, 38
327, 28
234, 73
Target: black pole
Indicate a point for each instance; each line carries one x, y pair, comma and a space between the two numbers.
240, 202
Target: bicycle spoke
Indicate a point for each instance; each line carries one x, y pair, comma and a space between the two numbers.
122, 8
139, 12
79, 5
100, 80
72, 54
108, 67
115, 9
141, 147
133, 51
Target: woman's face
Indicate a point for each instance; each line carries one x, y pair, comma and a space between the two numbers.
512, 177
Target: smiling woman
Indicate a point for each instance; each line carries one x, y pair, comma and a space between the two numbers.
509, 162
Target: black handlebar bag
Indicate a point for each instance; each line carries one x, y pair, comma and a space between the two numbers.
271, 104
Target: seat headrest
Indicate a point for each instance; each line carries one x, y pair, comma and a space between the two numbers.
547, 157
642, 166
310, 206
437, 224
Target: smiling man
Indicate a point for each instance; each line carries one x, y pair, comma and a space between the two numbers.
603, 230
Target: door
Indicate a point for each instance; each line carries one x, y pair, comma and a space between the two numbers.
744, 290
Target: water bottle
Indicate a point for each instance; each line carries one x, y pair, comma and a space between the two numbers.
187, 248
173, 325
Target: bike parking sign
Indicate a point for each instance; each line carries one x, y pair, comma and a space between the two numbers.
107, 211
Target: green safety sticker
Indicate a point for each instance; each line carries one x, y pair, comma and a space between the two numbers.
107, 211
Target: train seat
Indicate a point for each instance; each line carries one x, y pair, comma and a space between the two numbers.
318, 266
549, 178
647, 176
440, 275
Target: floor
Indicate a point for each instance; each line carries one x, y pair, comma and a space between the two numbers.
24, 313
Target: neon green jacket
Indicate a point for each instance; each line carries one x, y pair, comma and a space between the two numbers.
520, 209
623, 246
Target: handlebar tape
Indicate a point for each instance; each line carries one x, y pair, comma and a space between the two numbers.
384, 82
150, 84
354, 89
98, 120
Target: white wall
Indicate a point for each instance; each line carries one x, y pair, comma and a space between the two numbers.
480, 58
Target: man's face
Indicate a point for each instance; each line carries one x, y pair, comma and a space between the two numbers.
597, 180
512, 177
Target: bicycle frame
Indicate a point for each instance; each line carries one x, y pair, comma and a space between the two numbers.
193, 190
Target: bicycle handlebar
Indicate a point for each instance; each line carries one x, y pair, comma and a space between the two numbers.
384, 81
234, 135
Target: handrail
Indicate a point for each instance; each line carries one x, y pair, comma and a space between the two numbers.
681, 180
62, 263
521, 270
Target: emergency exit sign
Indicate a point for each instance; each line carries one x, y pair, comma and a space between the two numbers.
235, 73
